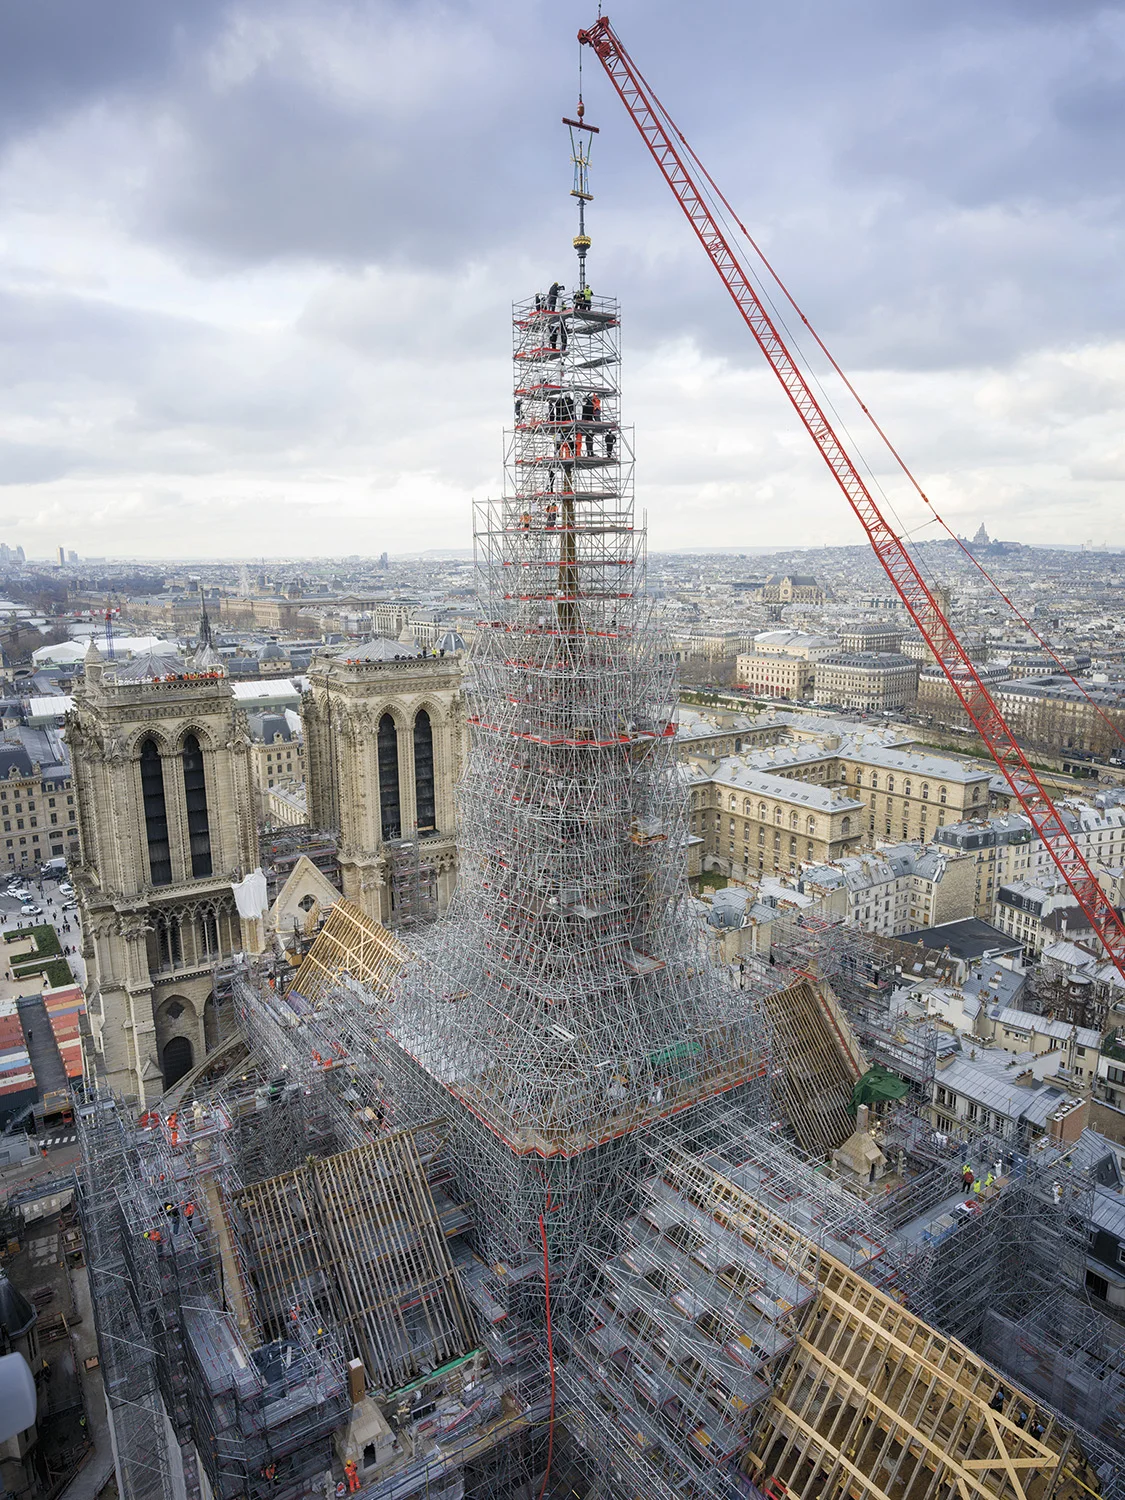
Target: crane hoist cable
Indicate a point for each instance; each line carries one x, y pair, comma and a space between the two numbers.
660, 135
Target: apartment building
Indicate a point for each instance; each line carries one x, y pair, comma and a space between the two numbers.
899, 889
937, 698
277, 753
780, 663
867, 680
753, 821
1050, 713
1009, 1096
37, 812
909, 793
776, 675
1001, 848
799, 643
870, 635
1024, 910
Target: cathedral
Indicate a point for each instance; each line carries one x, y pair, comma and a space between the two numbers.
384, 732
168, 824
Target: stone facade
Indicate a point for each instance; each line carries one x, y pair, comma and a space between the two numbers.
776, 674
37, 813
754, 823
277, 756
384, 743
167, 824
868, 680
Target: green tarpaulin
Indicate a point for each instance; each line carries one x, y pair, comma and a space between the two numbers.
877, 1085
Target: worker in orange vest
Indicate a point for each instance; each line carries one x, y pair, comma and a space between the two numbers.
353, 1476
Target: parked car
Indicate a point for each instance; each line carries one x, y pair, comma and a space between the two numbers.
29, 909
69, 906
20, 893
65, 888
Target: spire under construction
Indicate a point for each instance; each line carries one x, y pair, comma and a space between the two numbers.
565, 1001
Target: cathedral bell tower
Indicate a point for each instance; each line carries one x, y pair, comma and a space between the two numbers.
167, 823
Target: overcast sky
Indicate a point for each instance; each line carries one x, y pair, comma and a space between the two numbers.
257, 259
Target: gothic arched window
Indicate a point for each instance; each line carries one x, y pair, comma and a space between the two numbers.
387, 746
156, 814
195, 793
424, 799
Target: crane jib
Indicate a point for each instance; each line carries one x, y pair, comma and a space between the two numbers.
660, 135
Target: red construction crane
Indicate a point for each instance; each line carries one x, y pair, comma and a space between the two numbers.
672, 155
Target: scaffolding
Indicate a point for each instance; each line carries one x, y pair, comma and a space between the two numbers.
566, 999
412, 877
126, 1348
189, 1359
862, 977
526, 1174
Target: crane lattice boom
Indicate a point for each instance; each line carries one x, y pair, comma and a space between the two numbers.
660, 136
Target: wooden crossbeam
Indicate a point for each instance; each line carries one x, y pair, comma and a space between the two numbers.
350, 942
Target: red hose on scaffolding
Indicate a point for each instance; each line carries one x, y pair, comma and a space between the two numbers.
550, 1349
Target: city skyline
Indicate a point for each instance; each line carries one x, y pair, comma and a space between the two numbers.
239, 247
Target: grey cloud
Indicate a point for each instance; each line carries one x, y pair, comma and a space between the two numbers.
939, 184
56, 56
31, 463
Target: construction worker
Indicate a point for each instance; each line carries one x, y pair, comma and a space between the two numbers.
353, 1476
525, 521
967, 1175
553, 295
558, 332
588, 416
610, 443
552, 515
583, 299
566, 456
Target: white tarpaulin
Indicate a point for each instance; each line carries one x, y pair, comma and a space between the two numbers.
250, 895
